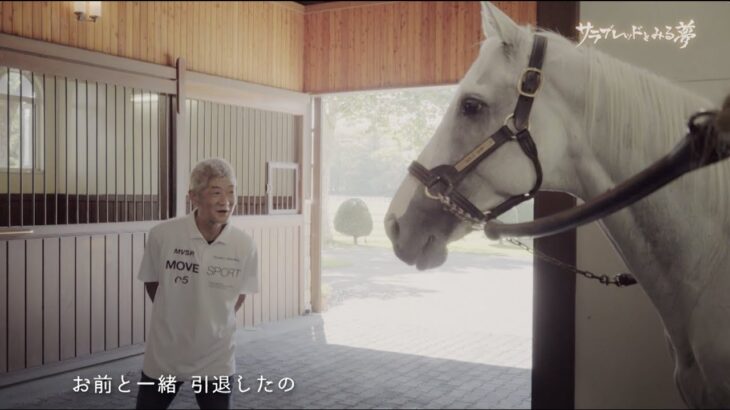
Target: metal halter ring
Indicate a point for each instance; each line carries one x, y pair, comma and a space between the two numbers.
438, 196
513, 128
428, 194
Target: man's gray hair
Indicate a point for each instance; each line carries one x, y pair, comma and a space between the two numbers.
209, 169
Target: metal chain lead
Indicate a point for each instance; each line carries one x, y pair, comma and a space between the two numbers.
620, 280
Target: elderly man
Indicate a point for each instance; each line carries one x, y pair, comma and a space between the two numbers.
197, 270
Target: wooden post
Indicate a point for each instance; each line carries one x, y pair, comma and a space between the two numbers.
316, 230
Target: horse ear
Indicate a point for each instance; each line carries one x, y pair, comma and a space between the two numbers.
497, 24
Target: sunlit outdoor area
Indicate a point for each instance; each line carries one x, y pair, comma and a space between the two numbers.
476, 308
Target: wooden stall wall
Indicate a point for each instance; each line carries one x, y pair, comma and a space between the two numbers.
371, 45
281, 276
70, 296
258, 42
248, 138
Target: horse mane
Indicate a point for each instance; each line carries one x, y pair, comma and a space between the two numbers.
636, 115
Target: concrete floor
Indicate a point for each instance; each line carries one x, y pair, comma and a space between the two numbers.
392, 337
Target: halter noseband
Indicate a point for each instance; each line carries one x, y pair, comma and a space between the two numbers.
440, 182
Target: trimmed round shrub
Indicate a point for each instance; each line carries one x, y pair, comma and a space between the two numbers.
353, 219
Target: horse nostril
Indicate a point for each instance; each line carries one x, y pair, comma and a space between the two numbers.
392, 228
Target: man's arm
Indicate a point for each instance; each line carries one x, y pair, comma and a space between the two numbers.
239, 302
151, 289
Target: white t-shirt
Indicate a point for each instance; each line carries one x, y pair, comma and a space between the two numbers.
193, 322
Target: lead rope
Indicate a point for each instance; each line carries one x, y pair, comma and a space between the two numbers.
620, 280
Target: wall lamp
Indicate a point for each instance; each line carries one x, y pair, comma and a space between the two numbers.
87, 10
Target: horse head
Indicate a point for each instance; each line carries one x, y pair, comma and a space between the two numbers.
484, 102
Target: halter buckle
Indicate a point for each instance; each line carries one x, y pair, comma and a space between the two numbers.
522, 81
513, 126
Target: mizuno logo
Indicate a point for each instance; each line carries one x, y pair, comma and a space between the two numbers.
183, 252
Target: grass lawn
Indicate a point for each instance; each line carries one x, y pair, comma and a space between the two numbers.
475, 242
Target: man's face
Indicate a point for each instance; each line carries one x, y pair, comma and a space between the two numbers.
216, 202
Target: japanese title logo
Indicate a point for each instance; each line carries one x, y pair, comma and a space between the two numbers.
681, 34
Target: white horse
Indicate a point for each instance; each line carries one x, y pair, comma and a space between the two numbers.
596, 122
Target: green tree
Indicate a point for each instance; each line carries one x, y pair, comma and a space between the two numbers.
372, 136
353, 219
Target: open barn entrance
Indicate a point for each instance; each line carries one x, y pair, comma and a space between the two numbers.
473, 314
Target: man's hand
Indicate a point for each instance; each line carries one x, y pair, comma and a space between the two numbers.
239, 302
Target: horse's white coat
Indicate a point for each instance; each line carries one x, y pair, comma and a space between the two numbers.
596, 122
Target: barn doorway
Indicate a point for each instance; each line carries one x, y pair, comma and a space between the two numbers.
473, 314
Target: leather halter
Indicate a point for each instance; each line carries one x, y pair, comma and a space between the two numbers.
441, 181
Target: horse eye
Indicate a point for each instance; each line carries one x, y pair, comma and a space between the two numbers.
471, 106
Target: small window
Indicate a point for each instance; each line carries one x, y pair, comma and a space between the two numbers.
74, 151
282, 180
21, 100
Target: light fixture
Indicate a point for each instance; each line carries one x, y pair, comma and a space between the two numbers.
87, 10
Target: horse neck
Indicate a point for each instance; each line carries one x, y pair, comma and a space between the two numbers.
632, 119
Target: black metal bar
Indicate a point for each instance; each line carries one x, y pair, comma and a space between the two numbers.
20, 140
116, 157
284, 174
124, 153
248, 126
218, 130
7, 153
96, 160
149, 115
87, 152
257, 149
201, 141
78, 208
106, 150
292, 158
152, 162
158, 140
55, 149
159, 159
261, 169
226, 131
278, 155
164, 176
171, 159
227, 134
134, 161
267, 131
235, 159
200, 134
141, 143
45, 165
149, 163
251, 150
274, 156
214, 124
32, 146
215, 135
190, 134
66, 152
169, 181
